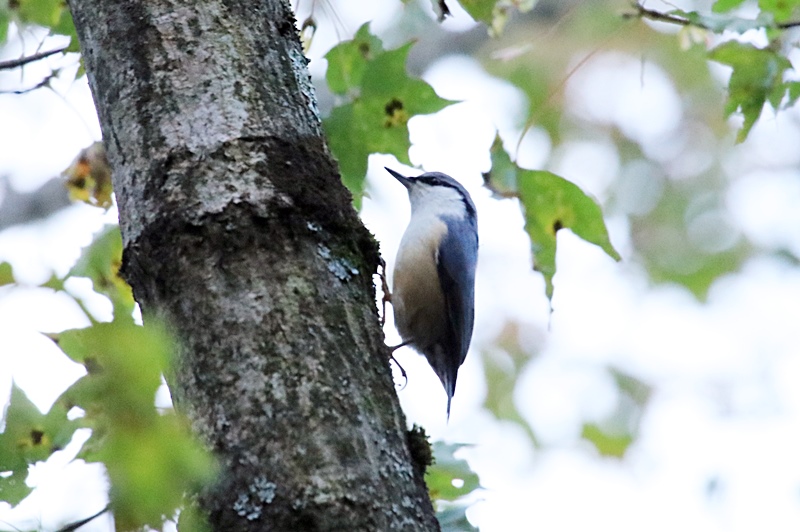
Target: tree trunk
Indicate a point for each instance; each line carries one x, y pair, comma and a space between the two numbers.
237, 229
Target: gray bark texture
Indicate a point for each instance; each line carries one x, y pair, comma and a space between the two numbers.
237, 229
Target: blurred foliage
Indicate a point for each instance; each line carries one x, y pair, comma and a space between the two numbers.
449, 477
757, 78
50, 14
495, 13
453, 518
6, 274
152, 460
100, 262
29, 437
503, 368
150, 457
680, 233
381, 99
615, 434
89, 177
449, 481
606, 442
192, 518
698, 249
760, 75
777, 10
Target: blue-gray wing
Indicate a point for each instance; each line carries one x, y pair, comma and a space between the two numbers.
458, 256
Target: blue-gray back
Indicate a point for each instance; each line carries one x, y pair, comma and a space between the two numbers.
458, 255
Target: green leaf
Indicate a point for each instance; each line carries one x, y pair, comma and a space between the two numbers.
502, 179
192, 517
376, 121
794, 92
13, 487
66, 27
151, 458
6, 274
502, 371
480, 10
699, 271
782, 10
607, 444
757, 78
617, 432
552, 203
150, 468
721, 6
5, 20
345, 132
495, 13
447, 468
100, 262
666, 248
502, 368
46, 13
348, 60
639, 392
453, 518
29, 437
54, 283
124, 363
398, 95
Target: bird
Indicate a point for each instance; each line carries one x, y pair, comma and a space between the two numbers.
433, 293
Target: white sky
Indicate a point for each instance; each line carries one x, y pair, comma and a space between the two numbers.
726, 403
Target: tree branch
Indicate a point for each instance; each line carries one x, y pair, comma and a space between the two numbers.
651, 14
22, 61
77, 524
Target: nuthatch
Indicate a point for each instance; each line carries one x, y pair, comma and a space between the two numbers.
434, 275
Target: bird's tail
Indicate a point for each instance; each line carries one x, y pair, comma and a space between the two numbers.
450, 388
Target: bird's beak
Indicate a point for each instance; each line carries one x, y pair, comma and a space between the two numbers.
404, 180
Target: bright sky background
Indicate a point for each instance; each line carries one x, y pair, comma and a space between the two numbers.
719, 441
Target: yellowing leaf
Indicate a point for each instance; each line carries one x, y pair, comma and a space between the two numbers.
101, 262
28, 437
89, 177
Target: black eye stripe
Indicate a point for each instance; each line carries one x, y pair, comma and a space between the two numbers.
434, 181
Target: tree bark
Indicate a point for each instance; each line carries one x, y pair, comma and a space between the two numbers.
237, 229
